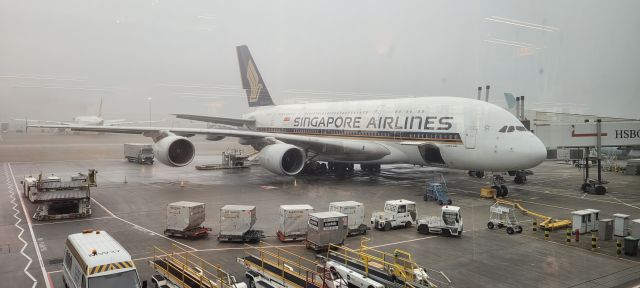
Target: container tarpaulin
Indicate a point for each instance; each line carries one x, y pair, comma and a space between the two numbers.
293, 219
237, 219
327, 227
354, 210
185, 215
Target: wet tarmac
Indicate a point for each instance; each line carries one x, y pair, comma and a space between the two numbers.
134, 213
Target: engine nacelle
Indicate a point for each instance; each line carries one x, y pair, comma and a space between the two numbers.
283, 159
174, 151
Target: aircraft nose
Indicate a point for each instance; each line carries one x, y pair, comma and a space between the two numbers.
538, 152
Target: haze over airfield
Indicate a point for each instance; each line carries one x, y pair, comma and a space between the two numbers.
58, 58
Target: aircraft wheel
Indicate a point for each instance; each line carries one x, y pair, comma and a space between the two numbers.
505, 190
423, 229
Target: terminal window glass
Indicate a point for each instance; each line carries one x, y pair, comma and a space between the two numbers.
127, 279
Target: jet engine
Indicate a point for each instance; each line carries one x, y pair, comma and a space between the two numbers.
176, 151
282, 159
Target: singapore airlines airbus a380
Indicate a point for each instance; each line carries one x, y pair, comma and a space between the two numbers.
451, 132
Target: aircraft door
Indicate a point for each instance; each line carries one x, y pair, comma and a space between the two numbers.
470, 137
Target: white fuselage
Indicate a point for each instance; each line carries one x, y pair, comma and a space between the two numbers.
466, 131
88, 120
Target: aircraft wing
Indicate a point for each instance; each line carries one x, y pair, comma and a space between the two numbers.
125, 122
355, 150
216, 120
47, 122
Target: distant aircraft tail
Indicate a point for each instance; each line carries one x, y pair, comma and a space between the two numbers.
252, 83
100, 108
511, 101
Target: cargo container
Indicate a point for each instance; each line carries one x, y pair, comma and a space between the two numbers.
326, 228
355, 213
293, 222
138, 153
184, 219
236, 222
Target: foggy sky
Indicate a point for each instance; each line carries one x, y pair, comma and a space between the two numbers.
58, 58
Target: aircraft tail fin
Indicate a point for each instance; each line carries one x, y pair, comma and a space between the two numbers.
252, 83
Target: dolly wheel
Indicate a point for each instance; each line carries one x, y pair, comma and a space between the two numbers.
490, 225
387, 226
423, 229
510, 230
440, 202
407, 224
252, 283
518, 229
505, 190
449, 202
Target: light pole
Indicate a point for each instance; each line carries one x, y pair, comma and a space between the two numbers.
149, 100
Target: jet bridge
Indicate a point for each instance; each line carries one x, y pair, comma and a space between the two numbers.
589, 135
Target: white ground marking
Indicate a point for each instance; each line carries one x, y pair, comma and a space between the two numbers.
33, 235
69, 221
136, 226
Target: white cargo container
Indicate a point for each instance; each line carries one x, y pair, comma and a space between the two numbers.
355, 213
236, 222
184, 219
138, 153
326, 228
293, 221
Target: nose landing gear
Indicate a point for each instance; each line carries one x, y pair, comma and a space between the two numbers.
498, 185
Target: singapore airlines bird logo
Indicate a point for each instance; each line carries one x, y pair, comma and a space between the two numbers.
254, 82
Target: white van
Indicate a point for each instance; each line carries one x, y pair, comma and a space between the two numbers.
93, 259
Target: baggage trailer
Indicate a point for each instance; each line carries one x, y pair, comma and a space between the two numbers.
293, 222
138, 153
395, 269
236, 223
272, 267
326, 228
355, 213
57, 199
184, 219
181, 268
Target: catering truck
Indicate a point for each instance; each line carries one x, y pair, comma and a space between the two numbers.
95, 259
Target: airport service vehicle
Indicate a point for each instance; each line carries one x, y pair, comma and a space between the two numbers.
94, 259
502, 216
397, 213
236, 223
437, 192
56, 199
326, 228
180, 268
355, 213
293, 222
138, 153
449, 222
450, 132
184, 219
273, 267
396, 269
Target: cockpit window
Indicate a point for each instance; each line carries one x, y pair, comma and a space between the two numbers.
521, 128
503, 129
511, 129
